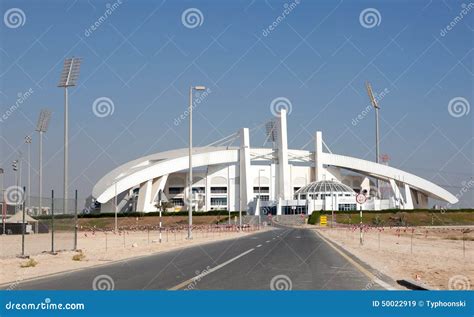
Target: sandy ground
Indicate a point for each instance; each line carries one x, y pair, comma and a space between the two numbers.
434, 256
99, 248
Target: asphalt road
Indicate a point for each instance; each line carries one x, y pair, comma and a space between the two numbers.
281, 258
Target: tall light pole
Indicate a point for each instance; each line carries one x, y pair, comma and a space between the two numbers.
259, 196
15, 169
42, 127
190, 189
377, 137
68, 78
28, 140
4, 215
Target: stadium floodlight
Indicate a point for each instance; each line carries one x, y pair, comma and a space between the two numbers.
43, 120
190, 189
70, 72
68, 78
376, 106
42, 127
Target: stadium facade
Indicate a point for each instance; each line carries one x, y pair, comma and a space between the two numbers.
275, 180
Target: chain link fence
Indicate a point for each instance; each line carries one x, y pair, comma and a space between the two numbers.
29, 220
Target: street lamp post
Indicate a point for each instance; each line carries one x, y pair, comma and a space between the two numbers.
42, 127
28, 140
4, 215
68, 78
190, 189
15, 169
259, 196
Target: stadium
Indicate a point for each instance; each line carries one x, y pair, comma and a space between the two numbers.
275, 180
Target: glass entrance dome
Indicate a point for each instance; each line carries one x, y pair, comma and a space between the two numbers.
321, 189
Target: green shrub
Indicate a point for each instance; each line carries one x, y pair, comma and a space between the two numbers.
377, 221
313, 219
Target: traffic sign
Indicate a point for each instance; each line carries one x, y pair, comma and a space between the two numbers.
323, 221
360, 198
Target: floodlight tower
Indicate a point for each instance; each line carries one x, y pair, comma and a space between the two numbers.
190, 189
376, 107
68, 79
42, 127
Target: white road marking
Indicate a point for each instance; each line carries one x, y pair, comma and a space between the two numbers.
267, 241
200, 276
258, 246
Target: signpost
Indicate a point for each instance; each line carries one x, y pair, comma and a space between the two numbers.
360, 198
161, 199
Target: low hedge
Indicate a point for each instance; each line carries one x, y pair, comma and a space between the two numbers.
146, 214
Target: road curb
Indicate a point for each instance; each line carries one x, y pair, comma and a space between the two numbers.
414, 285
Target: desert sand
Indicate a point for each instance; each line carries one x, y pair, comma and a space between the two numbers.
433, 256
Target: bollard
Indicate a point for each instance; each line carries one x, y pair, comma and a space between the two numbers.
379, 240
463, 244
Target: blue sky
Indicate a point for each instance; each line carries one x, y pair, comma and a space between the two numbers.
318, 56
